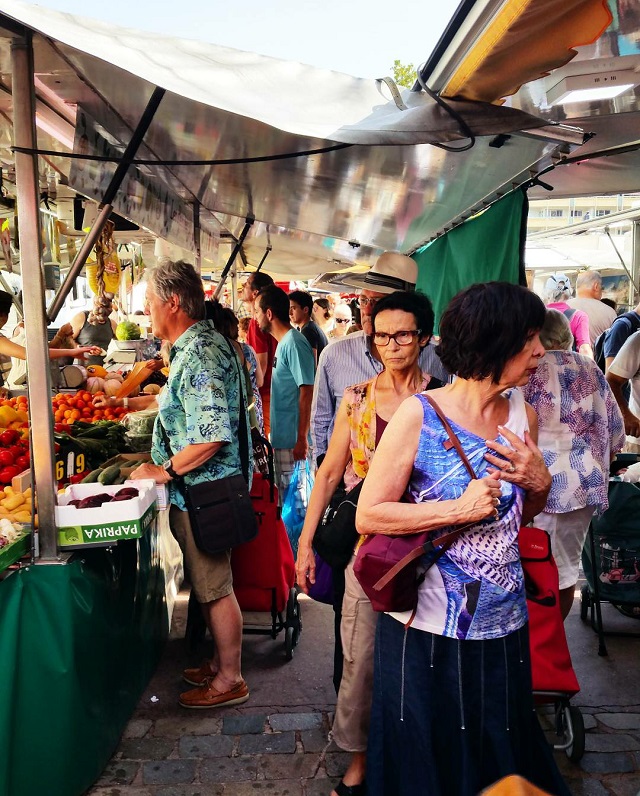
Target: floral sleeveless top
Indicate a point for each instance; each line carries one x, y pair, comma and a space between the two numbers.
475, 590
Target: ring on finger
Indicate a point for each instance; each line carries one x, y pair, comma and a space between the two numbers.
511, 468
496, 501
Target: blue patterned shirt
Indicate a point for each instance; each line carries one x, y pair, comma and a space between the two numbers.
200, 404
579, 427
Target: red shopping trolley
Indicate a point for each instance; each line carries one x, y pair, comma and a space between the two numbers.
553, 678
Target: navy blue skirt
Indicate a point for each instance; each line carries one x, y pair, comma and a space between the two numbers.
450, 717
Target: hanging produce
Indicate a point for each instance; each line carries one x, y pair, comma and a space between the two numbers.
103, 276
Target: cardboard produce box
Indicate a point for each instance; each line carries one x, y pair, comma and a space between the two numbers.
162, 493
108, 523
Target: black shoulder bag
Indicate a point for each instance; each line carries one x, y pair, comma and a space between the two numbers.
220, 511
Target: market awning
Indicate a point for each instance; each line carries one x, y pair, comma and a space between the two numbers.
374, 182
521, 41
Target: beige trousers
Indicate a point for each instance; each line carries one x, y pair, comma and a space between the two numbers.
357, 630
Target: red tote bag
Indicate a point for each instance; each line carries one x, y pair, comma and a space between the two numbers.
551, 668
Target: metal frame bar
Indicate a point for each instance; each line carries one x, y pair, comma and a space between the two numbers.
28, 206
264, 257
223, 276
196, 235
114, 185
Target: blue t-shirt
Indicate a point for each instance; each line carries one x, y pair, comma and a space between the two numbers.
293, 366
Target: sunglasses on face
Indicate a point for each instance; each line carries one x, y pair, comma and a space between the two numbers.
363, 301
342, 320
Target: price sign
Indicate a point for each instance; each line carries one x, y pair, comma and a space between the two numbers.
70, 461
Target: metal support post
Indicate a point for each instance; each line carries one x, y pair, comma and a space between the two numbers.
28, 204
248, 223
196, 235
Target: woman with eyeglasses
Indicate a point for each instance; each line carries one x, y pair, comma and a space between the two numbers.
402, 326
342, 321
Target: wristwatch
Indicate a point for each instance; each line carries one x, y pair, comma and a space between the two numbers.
168, 466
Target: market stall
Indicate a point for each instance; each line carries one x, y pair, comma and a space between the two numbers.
350, 173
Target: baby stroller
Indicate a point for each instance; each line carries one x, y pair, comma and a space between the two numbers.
553, 679
264, 569
611, 556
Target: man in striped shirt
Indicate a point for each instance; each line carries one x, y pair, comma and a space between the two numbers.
354, 358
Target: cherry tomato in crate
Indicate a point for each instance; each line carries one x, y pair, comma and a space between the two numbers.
9, 436
7, 473
22, 462
6, 458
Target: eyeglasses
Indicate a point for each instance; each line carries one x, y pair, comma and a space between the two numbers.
342, 320
404, 337
363, 301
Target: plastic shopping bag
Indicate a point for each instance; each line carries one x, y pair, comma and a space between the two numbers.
296, 500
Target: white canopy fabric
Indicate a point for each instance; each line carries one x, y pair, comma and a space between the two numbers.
287, 95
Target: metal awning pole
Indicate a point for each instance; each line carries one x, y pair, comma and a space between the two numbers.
28, 204
106, 206
196, 235
264, 257
248, 223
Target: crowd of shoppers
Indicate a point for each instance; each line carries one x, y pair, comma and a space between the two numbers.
442, 694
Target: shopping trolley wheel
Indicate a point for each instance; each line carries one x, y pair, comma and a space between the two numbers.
573, 723
293, 623
585, 603
288, 643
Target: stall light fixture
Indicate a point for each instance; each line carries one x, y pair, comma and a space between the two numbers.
592, 88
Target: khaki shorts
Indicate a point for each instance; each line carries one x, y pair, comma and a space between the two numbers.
210, 575
358, 633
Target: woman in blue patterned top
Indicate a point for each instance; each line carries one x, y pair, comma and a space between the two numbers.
452, 702
581, 428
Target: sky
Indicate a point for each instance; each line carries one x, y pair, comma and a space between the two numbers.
359, 37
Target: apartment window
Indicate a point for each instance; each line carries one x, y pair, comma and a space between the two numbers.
576, 213
600, 213
556, 213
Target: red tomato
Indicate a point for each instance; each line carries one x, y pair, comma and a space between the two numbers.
75, 479
7, 473
22, 462
16, 450
6, 458
9, 436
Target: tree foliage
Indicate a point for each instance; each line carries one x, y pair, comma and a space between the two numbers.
403, 74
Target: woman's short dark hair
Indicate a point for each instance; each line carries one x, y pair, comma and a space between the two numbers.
417, 304
486, 325
324, 304
302, 299
275, 299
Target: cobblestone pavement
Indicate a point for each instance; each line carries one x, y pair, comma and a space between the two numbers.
276, 743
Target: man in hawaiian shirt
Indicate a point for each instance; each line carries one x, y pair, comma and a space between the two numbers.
195, 439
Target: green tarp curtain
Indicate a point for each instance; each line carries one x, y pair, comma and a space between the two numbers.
78, 644
489, 247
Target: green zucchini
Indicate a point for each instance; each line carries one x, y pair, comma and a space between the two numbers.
109, 474
92, 477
